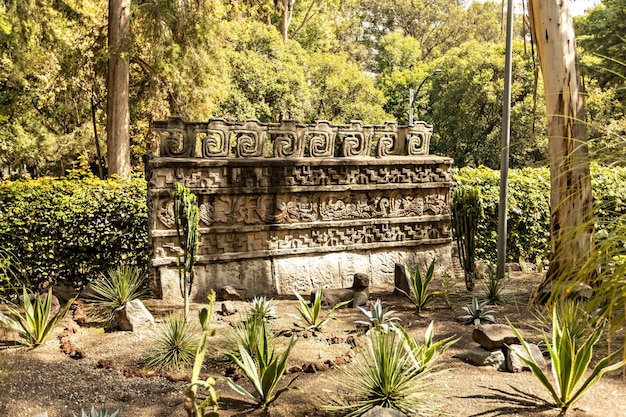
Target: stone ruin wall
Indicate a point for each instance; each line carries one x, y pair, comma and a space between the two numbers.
287, 207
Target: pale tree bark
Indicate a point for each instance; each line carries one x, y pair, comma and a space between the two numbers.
571, 212
286, 9
118, 117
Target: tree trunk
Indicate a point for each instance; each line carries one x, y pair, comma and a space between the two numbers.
118, 117
571, 212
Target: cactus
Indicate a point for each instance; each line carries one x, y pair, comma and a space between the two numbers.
466, 210
186, 219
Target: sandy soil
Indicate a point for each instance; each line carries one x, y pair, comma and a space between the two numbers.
112, 374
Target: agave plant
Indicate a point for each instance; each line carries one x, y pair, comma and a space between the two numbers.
174, 345
477, 314
111, 291
37, 323
99, 413
418, 288
264, 369
570, 363
312, 315
493, 288
378, 318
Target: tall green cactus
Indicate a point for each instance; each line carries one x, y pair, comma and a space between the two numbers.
186, 219
466, 210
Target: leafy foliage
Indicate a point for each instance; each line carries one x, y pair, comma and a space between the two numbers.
426, 354
312, 315
419, 293
37, 323
111, 291
174, 345
264, 369
10, 276
477, 314
71, 231
570, 362
262, 309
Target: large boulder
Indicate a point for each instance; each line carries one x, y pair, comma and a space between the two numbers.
494, 336
515, 364
133, 317
482, 357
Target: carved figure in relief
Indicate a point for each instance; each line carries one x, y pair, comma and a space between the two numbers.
436, 204
296, 210
206, 214
166, 214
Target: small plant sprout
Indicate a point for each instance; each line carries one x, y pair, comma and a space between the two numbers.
570, 362
446, 288
378, 318
312, 315
262, 309
493, 288
477, 314
418, 288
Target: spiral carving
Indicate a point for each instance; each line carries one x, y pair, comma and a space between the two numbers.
321, 145
175, 144
248, 144
415, 144
353, 145
285, 145
214, 144
385, 145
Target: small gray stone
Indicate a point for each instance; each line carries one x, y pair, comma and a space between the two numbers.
494, 336
378, 411
134, 316
482, 357
228, 308
233, 294
515, 364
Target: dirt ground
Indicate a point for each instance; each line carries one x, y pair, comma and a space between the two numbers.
111, 373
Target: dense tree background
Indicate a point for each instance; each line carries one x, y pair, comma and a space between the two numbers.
302, 60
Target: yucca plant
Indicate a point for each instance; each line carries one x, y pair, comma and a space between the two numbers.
99, 413
264, 369
446, 288
262, 309
210, 403
312, 315
569, 363
37, 323
174, 344
10, 277
385, 375
419, 294
247, 332
426, 354
477, 314
111, 291
378, 318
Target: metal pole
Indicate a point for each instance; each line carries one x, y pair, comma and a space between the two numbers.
506, 139
411, 101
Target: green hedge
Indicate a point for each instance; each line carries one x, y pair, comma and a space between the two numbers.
529, 208
69, 231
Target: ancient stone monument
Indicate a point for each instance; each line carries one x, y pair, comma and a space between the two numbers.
286, 206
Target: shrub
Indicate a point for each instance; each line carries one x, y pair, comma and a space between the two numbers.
477, 314
312, 315
71, 231
466, 212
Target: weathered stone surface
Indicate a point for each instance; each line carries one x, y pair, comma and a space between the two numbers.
232, 294
379, 411
133, 317
482, 357
228, 308
515, 364
400, 280
493, 336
